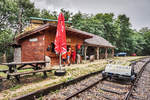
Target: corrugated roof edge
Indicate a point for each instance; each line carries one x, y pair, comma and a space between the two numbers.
44, 19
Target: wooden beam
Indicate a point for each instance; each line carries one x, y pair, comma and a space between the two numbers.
106, 54
20, 63
97, 51
112, 54
85, 51
4, 58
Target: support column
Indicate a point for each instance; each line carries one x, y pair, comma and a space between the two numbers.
85, 51
106, 54
97, 51
4, 58
112, 55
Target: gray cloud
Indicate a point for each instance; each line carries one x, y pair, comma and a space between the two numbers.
137, 10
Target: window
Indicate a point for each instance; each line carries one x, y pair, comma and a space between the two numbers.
52, 47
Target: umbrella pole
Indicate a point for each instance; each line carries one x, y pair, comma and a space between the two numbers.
60, 71
60, 61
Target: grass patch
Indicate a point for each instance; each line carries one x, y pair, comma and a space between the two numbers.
56, 91
25, 70
3, 74
70, 78
3, 67
15, 87
100, 91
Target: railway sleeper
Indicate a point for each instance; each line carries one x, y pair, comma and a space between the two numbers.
137, 97
113, 91
107, 96
114, 86
120, 82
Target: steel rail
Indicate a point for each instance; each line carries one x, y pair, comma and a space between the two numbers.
45, 91
136, 81
94, 83
84, 89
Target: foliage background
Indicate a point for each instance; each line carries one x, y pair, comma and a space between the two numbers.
15, 15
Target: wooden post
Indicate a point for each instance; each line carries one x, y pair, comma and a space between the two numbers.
4, 58
106, 54
112, 52
85, 51
97, 51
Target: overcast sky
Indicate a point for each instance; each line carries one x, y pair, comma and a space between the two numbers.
137, 10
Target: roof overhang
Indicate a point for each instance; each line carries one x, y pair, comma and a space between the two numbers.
101, 46
53, 26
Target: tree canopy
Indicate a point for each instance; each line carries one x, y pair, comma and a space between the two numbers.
15, 15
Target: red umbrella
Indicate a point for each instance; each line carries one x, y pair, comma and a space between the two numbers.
60, 40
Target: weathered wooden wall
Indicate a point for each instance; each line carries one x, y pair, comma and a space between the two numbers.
33, 50
72, 40
49, 38
37, 50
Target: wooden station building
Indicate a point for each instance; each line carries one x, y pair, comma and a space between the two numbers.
36, 43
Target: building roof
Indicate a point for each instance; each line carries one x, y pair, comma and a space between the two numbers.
52, 26
91, 39
98, 41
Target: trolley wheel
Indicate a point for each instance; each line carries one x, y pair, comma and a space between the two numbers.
133, 78
103, 74
60, 72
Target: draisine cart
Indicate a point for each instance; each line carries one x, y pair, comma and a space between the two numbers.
119, 72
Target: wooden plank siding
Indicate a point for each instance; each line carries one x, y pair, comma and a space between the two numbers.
32, 50
37, 50
49, 38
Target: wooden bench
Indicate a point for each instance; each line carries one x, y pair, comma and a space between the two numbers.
18, 74
4, 71
13, 67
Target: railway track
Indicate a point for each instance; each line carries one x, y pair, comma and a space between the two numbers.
75, 89
104, 89
45, 91
142, 81
82, 90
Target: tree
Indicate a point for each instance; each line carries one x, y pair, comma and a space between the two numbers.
76, 18
8, 10
6, 38
146, 35
67, 14
124, 39
14, 13
26, 9
87, 23
109, 29
47, 14
137, 44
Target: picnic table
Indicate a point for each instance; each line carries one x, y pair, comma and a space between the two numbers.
37, 66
